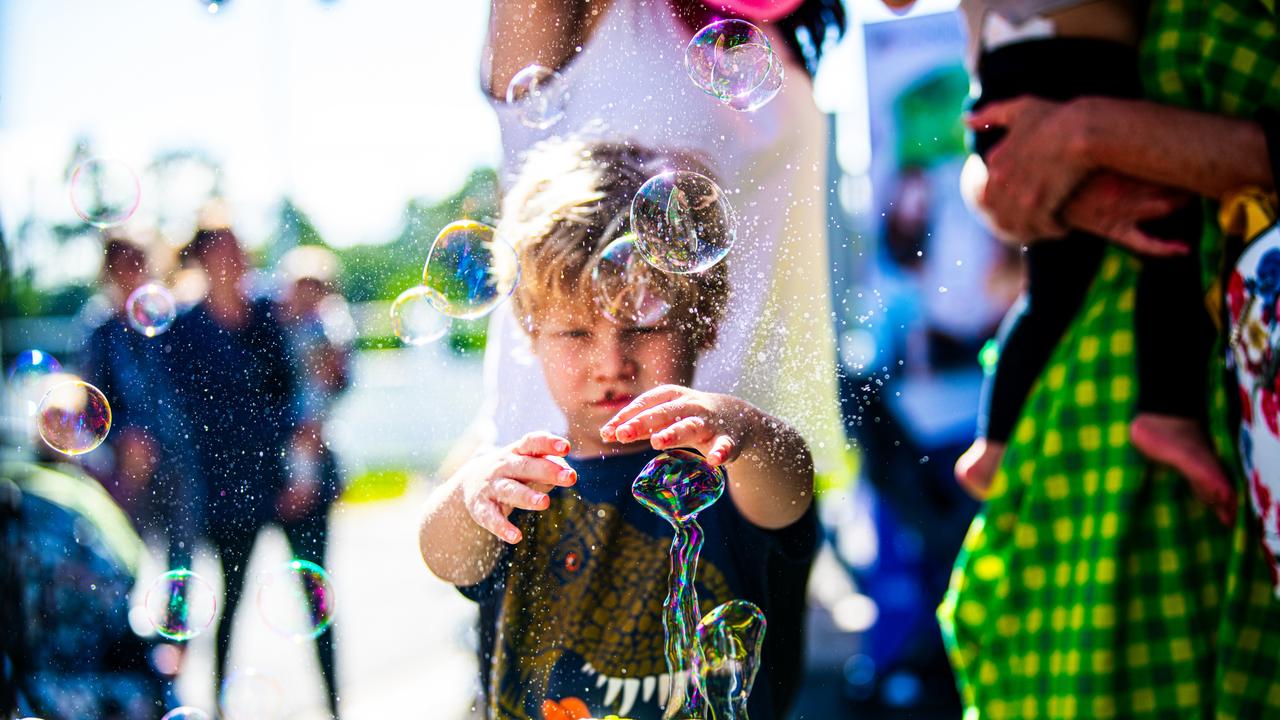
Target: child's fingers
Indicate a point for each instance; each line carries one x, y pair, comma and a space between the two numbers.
518, 495
541, 443
689, 431
488, 515
996, 113
723, 449
654, 420
652, 398
529, 469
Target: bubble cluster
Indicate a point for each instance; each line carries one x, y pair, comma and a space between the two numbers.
250, 695
180, 605
74, 417
734, 62
186, 713
683, 222
297, 600
730, 641
471, 270
539, 95
104, 192
151, 309
31, 364
414, 317
623, 285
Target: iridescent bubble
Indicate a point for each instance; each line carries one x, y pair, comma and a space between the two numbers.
151, 309
250, 695
30, 364
733, 61
414, 317
625, 290
180, 604
678, 484
74, 417
471, 270
683, 222
539, 95
186, 713
104, 192
730, 640
297, 600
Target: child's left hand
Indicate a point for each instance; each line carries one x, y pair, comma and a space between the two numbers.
718, 426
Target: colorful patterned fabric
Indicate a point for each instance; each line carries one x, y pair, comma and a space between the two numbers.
1094, 585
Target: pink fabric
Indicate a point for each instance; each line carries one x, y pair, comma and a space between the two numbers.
759, 10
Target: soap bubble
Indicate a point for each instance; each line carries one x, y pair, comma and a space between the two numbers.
624, 288
74, 417
250, 695
186, 713
678, 484
30, 364
151, 309
180, 604
414, 317
539, 94
682, 221
471, 269
733, 61
104, 192
730, 638
297, 599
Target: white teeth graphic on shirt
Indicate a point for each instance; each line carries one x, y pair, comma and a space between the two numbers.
625, 689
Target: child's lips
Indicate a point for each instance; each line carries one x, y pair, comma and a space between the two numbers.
614, 402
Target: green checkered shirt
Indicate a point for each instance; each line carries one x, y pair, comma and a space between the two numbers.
1094, 585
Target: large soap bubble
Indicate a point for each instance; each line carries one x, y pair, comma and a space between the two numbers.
678, 484
538, 94
104, 192
623, 286
74, 417
683, 222
297, 600
734, 62
471, 270
249, 694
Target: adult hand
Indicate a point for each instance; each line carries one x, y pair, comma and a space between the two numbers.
1034, 169
719, 426
1114, 206
517, 476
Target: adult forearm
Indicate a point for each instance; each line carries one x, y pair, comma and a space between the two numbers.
1207, 154
454, 547
522, 33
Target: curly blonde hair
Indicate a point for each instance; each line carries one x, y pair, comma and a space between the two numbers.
572, 198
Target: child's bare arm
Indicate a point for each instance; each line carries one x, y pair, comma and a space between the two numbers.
467, 517
771, 479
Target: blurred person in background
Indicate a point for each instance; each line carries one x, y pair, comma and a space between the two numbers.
154, 474
68, 560
232, 364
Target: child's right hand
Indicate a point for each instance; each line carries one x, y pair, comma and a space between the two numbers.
517, 476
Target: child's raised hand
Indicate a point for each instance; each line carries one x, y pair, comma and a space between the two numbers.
719, 426
517, 476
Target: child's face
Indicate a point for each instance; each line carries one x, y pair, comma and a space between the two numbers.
594, 367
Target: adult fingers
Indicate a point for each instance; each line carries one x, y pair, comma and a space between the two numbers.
652, 398
689, 431
489, 515
1144, 244
541, 443
518, 495
541, 470
996, 114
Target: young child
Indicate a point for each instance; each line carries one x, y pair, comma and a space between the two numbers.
1059, 50
569, 570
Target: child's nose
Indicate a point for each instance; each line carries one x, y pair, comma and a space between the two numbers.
615, 361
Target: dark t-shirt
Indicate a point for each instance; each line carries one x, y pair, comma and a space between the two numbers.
572, 615
237, 386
